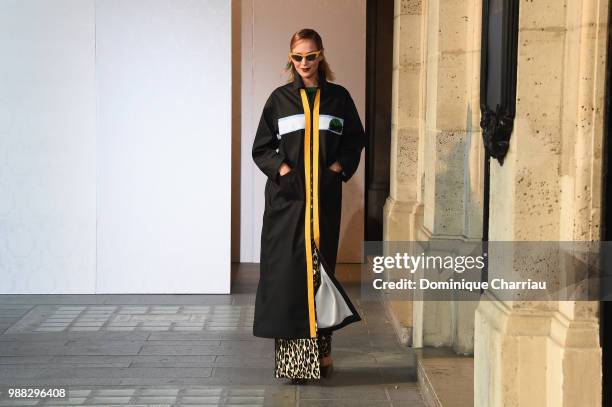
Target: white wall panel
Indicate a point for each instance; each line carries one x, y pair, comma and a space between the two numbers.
115, 146
47, 147
164, 142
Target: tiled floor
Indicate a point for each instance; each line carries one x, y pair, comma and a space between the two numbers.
187, 350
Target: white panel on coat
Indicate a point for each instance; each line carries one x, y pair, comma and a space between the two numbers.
163, 80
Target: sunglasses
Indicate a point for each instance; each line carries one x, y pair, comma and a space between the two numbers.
310, 56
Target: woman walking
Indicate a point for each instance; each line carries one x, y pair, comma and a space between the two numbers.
308, 141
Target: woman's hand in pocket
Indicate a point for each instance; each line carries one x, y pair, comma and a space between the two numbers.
290, 183
336, 167
283, 169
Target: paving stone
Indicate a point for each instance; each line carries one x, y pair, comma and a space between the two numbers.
83, 328
131, 372
172, 361
39, 337
67, 402
245, 399
50, 329
243, 375
200, 335
59, 320
69, 381
15, 403
164, 381
115, 392
201, 400
156, 400
362, 392
187, 328
210, 391
159, 392
17, 372
245, 391
110, 400
24, 360
190, 342
182, 350
405, 392
344, 403
246, 361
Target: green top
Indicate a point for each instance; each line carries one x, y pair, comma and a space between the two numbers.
311, 91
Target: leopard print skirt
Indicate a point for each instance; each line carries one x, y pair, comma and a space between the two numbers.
299, 358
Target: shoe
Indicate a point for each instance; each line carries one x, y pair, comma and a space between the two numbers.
298, 380
326, 371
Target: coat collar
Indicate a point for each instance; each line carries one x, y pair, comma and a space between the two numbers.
298, 83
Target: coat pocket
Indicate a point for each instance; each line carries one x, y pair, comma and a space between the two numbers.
330, 178
291, 186
332, 172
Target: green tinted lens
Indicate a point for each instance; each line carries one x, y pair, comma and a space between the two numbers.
311, 57
296, 57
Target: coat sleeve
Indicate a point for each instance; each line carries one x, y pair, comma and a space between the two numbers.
265, 144
352, 140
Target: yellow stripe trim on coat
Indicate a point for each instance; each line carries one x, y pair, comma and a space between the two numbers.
315, 166
307, 235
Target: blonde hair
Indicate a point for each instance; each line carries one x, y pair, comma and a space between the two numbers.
309, 34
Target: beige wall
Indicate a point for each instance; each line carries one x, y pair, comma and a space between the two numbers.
264, 32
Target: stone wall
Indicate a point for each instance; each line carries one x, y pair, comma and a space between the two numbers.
549, 189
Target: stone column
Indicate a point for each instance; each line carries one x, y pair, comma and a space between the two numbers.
549, 189
452, 157
402, 209
406, 121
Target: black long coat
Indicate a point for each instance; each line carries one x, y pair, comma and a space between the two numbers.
287, 132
